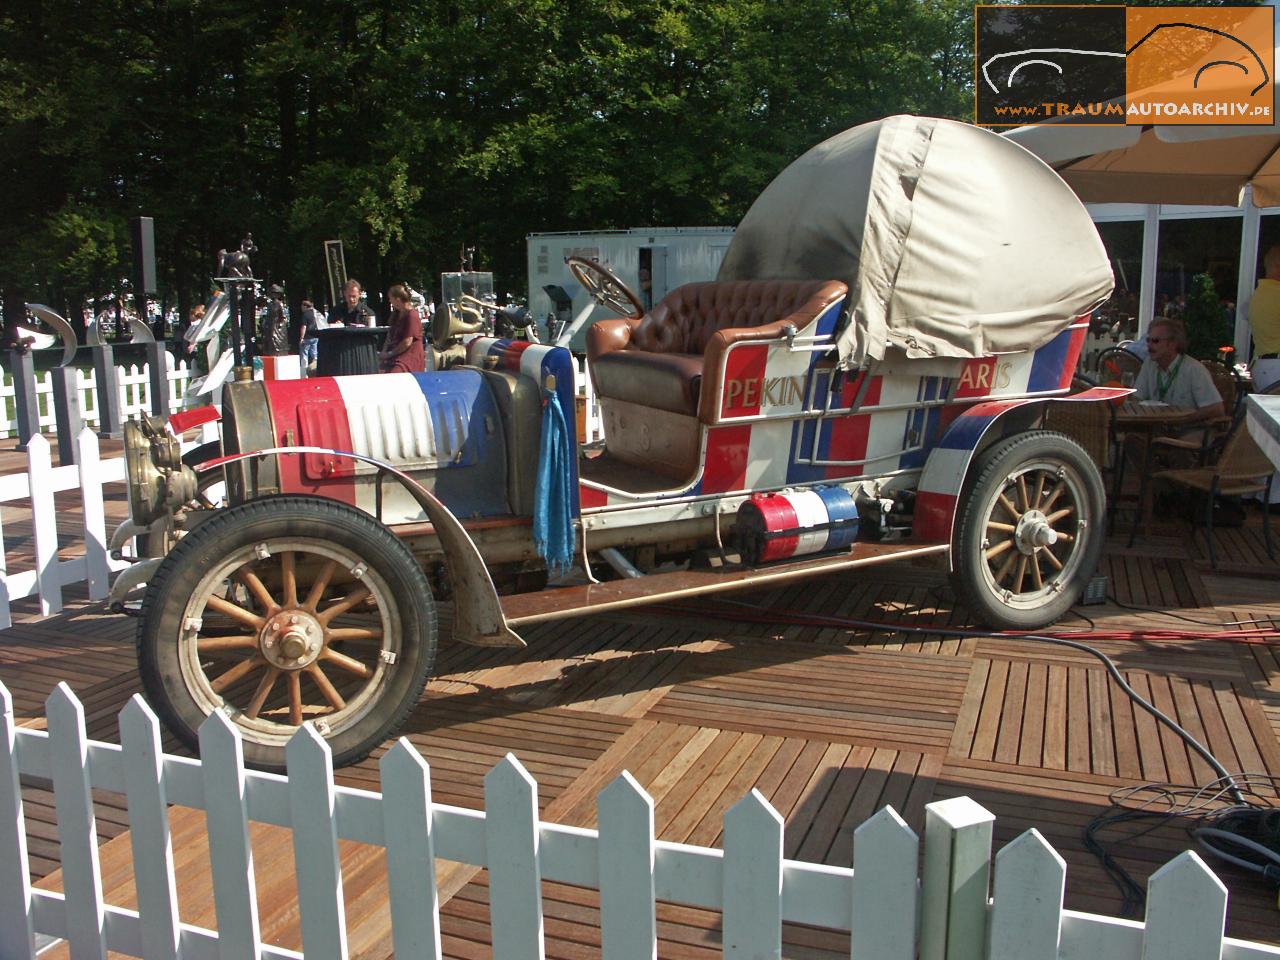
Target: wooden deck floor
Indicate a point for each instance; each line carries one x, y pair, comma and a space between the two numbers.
829, 723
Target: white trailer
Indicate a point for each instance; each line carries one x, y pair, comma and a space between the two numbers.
672, 256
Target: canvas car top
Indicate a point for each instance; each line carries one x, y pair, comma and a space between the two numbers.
954, 241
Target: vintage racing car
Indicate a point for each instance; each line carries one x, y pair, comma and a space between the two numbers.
863, 382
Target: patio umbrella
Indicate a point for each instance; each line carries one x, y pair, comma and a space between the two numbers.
1204, 165
1161, 164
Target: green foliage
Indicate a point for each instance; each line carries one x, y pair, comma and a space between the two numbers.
407, 129
1208, 325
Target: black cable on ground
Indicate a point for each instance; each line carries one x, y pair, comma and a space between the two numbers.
1085, 617
1213, 827
1111, 598
1219, 831
1111, 668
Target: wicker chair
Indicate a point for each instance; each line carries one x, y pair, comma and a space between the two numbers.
1241, 468
1224, 379
1088, 424
1092, 426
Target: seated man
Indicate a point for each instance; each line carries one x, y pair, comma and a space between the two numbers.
1169, 376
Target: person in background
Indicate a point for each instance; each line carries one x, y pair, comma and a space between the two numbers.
402, 352
275, 325
1264, 321
193, 351
309, 343
646, 288
352, 311
1169, 376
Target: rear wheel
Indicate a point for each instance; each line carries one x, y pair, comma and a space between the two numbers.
1029, 534
284, 610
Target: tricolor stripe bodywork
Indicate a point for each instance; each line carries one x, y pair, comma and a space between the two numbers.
537, 361
942, 481
776, 429
801, 425
797, 522
445, 423
286, 367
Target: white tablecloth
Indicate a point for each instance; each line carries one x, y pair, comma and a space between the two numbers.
1262, 414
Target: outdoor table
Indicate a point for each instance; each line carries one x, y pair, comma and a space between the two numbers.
1262, 416
1146, 419
1150, 416
344, 351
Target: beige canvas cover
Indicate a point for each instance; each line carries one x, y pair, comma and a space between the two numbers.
954, 241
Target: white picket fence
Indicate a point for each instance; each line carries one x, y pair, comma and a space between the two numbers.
35, 490
133, 384
36, 487
966, 906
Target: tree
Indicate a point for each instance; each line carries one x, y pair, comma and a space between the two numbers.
408, 129
1209, 327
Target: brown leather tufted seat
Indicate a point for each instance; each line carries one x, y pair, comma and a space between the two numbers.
669, 358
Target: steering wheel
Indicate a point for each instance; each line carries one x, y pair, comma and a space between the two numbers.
605, 288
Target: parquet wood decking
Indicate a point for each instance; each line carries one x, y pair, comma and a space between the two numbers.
830, 721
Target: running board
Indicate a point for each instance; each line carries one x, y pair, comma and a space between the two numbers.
559, 602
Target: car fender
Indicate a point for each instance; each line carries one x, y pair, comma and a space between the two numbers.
478, 616
947, 469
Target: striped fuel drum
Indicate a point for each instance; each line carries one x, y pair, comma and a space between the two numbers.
793, 523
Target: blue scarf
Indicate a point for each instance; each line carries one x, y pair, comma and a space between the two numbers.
552, 496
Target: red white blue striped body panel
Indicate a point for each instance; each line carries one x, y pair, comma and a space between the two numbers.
418, 421
938, 495
786, 421
780, 526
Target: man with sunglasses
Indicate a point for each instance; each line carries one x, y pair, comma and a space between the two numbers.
1170, 376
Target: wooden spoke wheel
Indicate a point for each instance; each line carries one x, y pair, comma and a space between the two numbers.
1029, 532
605, 288
287, 610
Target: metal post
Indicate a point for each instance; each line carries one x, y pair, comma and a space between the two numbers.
1247, 276
233, 321
104, 375
249, 320
22, 367
158, 378
1147, 281
66, 412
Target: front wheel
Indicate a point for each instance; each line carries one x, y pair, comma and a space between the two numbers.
1030, 529
284, 610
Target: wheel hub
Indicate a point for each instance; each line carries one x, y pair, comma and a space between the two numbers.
1033, 532
291, 639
